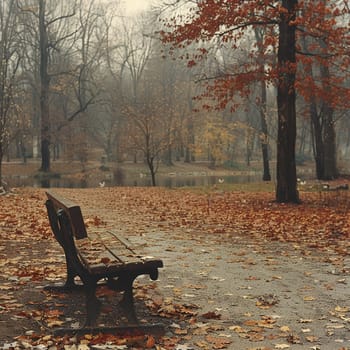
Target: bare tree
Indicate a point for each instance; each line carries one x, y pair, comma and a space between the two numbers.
147, 132
80, 88
52, 31
56, 31
135, 52
106, 122
10, 57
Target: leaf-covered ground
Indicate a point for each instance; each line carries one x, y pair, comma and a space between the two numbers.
240, 271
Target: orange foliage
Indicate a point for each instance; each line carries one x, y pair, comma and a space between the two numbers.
321, 221
323, 23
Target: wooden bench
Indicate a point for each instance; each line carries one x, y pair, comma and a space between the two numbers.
95, 258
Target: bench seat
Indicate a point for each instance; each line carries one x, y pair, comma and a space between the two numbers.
104, 253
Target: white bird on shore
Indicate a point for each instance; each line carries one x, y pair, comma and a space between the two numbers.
301, 182
102, 184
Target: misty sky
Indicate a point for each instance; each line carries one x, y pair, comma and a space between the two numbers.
134, 6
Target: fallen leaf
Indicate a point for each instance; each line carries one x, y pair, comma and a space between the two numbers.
306, 330
311, 338
211, 315
306, 320
282, 346
238, 329
150, 342
342, 309
218, 343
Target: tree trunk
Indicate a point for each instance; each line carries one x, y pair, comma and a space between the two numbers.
189, 156
330, 158
264, 134
324, 138
168, 156
1, 158
318, 146
259, 35
150, 163
44, 91
324, 143
286, 190
329, 138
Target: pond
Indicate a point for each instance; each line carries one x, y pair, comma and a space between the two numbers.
170, 180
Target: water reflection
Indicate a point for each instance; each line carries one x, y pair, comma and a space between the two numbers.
145, 181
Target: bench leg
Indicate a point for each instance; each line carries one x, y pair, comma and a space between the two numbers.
127, 301
93, 305
71, 274
69, 285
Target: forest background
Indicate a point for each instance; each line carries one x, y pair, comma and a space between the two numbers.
81, 81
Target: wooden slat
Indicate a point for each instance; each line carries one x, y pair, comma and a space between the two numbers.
117, 246
123, 240
126, 259
94, 251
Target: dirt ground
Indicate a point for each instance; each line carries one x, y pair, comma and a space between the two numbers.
224, 291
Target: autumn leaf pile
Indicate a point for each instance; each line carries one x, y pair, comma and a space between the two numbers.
319, 223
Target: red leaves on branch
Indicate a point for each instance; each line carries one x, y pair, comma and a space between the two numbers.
322, 24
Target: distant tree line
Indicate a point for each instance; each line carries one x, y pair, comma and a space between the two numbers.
76, 76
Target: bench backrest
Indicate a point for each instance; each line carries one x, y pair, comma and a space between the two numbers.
73, 211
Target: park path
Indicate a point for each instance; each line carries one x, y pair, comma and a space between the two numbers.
252, 295
216, 291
